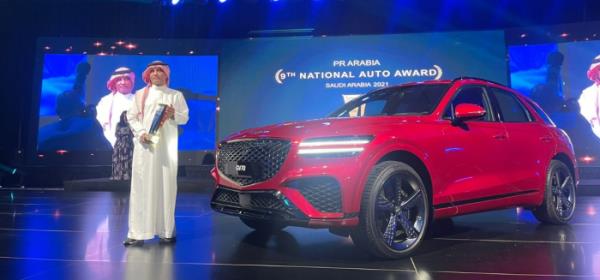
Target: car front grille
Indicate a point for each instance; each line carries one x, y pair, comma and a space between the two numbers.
260, 158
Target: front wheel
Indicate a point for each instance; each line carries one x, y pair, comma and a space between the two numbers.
559, 196
395, 211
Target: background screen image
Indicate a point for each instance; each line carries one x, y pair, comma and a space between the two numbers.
274, 80
72, 86
555, 76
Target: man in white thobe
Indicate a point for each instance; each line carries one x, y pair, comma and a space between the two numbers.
589, 100
119, 99
154, 172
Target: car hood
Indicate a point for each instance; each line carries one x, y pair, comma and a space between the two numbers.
326, 127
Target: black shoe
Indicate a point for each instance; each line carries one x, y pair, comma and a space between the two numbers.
168, 240
133, 242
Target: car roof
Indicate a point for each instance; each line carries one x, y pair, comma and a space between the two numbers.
461, 80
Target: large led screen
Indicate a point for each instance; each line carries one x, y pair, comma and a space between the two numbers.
563, 79
273, 80
73, 117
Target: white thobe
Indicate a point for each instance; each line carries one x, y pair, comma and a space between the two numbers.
108, 112
589, 107
154, 168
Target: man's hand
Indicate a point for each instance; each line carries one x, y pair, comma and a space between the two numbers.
170, 111
168, 114
145, 138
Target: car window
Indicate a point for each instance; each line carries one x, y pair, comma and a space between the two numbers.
509, 108
472, 95
372, 108
547, 120
418, 99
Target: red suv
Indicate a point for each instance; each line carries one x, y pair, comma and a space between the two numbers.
386, 164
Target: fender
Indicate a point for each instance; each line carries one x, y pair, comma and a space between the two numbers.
382, 149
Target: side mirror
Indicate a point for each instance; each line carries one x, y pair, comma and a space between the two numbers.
467, 111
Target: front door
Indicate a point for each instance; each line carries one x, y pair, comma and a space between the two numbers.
474, 152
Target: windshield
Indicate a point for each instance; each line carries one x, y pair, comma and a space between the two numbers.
418, 99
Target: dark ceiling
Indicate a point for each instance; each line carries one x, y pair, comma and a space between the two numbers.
235, 18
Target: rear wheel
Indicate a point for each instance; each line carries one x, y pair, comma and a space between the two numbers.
395, 211
559, 196
265, 226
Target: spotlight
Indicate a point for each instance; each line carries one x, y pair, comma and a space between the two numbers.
175, 2
587, 159
222, 1
130, 46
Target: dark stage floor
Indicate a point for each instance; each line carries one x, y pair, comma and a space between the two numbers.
77, 235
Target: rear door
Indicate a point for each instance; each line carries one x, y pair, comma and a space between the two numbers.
531, 145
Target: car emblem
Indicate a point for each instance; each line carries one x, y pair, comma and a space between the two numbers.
240, 167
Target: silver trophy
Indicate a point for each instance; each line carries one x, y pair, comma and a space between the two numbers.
159, 119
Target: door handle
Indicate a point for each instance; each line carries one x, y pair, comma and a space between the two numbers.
546, 139
500, 137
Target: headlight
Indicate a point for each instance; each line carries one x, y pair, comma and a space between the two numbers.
334, 146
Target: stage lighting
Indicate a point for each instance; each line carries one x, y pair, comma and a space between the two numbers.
175, 2
222, 1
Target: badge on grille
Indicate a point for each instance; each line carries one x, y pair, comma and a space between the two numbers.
243, 169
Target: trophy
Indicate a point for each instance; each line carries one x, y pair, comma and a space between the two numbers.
159, 119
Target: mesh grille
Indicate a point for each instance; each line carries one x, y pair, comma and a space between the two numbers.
226, 196
322, 192
262, 158
262, 200
266, 201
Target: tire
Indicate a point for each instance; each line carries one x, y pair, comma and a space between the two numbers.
264, 226
395, 211
559, 195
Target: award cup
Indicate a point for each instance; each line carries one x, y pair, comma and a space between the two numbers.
159, 119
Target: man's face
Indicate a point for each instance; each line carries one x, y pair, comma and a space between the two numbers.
124, 84
157, 76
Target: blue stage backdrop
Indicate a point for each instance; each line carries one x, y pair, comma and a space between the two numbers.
195, 76
555, 75
272, 80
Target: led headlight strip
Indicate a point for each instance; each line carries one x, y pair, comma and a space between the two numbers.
335, 146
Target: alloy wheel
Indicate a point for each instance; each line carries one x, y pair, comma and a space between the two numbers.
563, 192
400, 212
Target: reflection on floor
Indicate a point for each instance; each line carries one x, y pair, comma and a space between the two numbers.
69, 235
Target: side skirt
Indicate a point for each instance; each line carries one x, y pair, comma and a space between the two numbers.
482, 199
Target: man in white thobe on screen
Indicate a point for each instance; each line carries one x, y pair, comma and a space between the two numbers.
119, 99
154, 172
589, 100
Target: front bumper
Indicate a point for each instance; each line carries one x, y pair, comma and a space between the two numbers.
303, 190
270, 205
